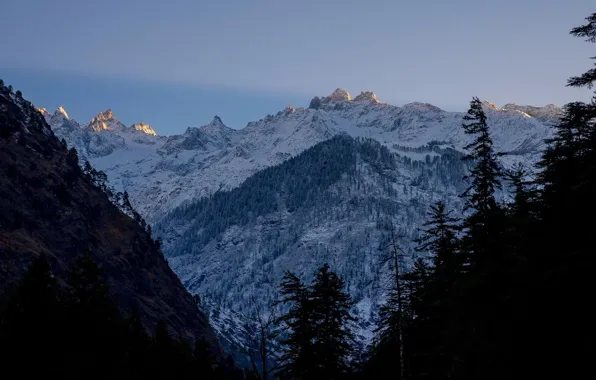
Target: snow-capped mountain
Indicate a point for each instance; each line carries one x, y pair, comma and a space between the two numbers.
161, 173
302, 187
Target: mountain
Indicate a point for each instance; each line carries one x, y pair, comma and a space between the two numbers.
335, 203
49, 206
161, 172
328, 183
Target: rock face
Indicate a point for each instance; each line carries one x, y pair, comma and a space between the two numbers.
548, 113
162, 172
366, 96
46, 114
105, 121
48, 206
490, 105
339, 95
144, 128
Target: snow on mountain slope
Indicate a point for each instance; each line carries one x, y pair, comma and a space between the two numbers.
161, 173
334, 203
231, 256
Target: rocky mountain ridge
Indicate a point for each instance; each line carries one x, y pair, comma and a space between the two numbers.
230, 255
162, 172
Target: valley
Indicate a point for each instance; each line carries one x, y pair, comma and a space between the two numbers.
236, 208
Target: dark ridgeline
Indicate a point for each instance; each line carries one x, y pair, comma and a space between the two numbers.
80, 281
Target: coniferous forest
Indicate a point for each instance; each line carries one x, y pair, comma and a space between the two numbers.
503, 292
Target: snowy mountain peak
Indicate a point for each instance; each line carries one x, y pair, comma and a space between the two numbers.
59, 117
215, 127
548, 112
426, 107
338, 95
105, 115
105, 121
145, 128
45, 113
217, 120
490, 105
366, 97
62, 111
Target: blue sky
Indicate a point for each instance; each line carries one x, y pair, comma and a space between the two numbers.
178, 63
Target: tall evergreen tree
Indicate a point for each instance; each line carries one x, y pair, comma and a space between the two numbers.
390, 331
434, 295
297, 355
333, 340
440, 240
486, 286
564, 258
486, 174
420, 335
587, 31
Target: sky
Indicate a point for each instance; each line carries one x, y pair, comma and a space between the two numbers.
178, 63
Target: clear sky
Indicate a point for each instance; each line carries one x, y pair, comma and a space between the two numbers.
177, 63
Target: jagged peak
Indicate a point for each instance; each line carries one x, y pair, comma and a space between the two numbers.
105, 121
490, 105
339, 95
58, 117
104, 116
216, 126
552, 107
216, 120
60, 111
549, 111
144, 128
286, 111
366, 96
43, 111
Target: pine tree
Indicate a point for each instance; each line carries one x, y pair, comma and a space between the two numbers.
524, 195
563, 258
333, 340
487, 261
588, 31
297, 355
440, 240
434, 293
420, 322
391, 328
487, 172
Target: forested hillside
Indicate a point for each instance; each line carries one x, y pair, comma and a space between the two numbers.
85, 291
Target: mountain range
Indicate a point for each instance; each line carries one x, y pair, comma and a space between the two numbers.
327, 183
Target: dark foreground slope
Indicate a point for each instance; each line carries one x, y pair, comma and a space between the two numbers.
47, 206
